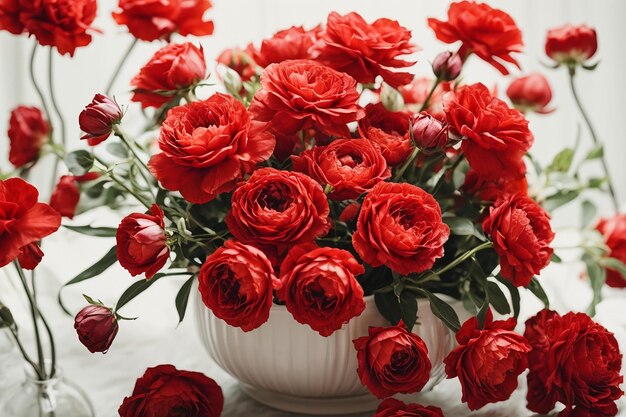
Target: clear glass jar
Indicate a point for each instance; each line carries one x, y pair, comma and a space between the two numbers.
54, 397
9, 361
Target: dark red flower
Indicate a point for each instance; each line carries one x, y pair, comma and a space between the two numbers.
150, 20
400, 226
429, 133
66, 195
614, 231
301, 94
521, 233
365, 51
489, 33
10, 16
142, 243
392, 360
30, 256
319, 287
164, 391
447, 66
236, 284
28, 132
208, 146
292, 43
96, 327
172, 71
530, 93
571, 44
396, 408
496, 137
98, 118
389, 130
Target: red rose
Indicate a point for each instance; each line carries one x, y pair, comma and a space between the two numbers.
208, 146
531, 92
142, 243
415, 93
350, 166
574, 361
150, 20
98, 118
489, 33
164, 391
400, 226
389, 130
396, 408
28, 131
571, 44
319, 287
492, 190
96, 326
173, 70
392, 360
521, 233
429, 133
239, 61
66, 194
302, 94
278, 209
496, 136
23, 222
364, 51
292, 43
614, 232
488, 361
236, 284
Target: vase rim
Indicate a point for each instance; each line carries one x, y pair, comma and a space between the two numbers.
369, 300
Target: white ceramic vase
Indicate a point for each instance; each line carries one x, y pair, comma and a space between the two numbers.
289, 366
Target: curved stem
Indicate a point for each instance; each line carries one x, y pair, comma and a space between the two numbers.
119, 67
53, 354
461, 259
24, 353
594, 137
57, 110
143, 169
116, 180
33, 80
430, 95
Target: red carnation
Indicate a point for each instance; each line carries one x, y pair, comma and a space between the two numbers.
521, 233
488, 361
365, 51
496, 137
392, 360
236, 284
489, 33
208, 146
150, 20
400, 226
142, 243
301, 94
571, 44
396, 408
389, 130
66, 194
28, 132
319, 287
96, 327
292, 43
530, 93
614, 231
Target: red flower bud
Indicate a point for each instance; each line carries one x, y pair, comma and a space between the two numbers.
98, 118
96, 326
429, 133
530, 93
571, 44
447, 66
350, 212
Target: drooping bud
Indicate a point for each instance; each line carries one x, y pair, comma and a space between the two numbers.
447, 66
96, 326
98, 118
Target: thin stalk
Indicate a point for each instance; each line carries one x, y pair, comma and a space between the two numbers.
119, 67
53, 354
430, 95
403, 168
443, 176
57, 110
594, 137
143, 169
24, 353
33, 80
110, 174
460, 260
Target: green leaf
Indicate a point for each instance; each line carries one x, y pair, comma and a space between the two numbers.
589, 212
79, 162
560, 198
556, 258
93, 231
387, 304
408, 309
595, 153
6, 318
182, 298
444, 312
136, 289
536, 288
497, 298
562, 162
514, 291
596, 182
463, 226
597, 278
482, 313
615, 264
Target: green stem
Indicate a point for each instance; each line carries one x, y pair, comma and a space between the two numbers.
459, 260
116, 180
24, 353
143, 169
594, 137
443, 176
53, 354
33, 80
119, 67
57, 110
430, 95
408, 162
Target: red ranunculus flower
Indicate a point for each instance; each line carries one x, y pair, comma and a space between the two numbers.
489, 33
98, 118
521, 233
496, 136
531, 92
174, 69
494, 189
292, 43
319, 287
23, 222
488, 360
400, 226
301, 94
389, 130
141, 242
239, 61
614, 231
392, 360
207, 146
278, 209
66, 194
164, 391
364, 51
236, 284
96, 327
350, 166
28, 131
396, 408
150, 20
574, 361
571, 44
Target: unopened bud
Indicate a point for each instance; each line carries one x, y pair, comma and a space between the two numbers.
447, 66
